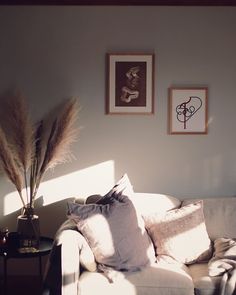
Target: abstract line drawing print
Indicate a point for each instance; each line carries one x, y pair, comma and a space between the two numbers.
186, 110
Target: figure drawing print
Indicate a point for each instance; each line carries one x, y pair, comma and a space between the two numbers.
130, 84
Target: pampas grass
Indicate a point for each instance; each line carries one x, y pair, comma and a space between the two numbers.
27, 151
22, 130
9, 164
58, 143
20, 134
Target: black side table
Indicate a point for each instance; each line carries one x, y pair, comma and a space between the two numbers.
45, 246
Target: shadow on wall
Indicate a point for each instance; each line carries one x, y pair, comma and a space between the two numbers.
52, 216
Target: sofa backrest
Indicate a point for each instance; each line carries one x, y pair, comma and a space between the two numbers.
220, 213
220, 216
148, 203
144, 202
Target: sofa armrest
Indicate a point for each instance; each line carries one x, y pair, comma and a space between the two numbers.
70, 261
69, 253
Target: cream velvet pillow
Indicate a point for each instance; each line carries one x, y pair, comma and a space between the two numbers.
181, 234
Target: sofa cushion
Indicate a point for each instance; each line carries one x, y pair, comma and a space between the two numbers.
148, 203
155, 279
114, 231
203, 283
219, 216
181, 234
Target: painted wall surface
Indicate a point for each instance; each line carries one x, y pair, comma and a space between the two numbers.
51, 53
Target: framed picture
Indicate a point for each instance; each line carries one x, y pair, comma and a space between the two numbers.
130, 84
188, 110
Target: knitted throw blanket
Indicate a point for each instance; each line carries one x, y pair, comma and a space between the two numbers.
223, 263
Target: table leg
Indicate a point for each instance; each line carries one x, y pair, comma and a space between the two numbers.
40, 269
5, 275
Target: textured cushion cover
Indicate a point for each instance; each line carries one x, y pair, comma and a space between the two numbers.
113, 230
181, 234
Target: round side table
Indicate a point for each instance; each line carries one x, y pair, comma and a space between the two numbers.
45, 246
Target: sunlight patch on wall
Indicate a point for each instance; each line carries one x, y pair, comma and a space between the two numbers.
97, 179
11, 203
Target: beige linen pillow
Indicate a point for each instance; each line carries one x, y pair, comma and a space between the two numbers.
181, 234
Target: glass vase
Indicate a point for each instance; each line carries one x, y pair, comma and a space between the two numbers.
28, 229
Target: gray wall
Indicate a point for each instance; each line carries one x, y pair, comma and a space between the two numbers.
51, 53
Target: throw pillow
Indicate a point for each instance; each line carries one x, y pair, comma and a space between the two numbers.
181, 234
112, 229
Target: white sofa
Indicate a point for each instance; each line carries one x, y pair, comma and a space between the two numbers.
66, 274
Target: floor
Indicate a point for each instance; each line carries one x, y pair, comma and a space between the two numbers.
23, 285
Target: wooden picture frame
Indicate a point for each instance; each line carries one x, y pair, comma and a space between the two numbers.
188, 110
130, 83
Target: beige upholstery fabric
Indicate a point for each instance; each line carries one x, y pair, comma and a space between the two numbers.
69, 237
161, 279
147, 203
203, 283
74, 251
166, 279
219, 216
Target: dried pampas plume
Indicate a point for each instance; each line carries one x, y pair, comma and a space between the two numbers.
20, 125
20, 133
61, 137
39, 148
9, 165
62, 134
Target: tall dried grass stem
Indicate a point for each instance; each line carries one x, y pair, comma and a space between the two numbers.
39, 147
62, 134
9, 165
